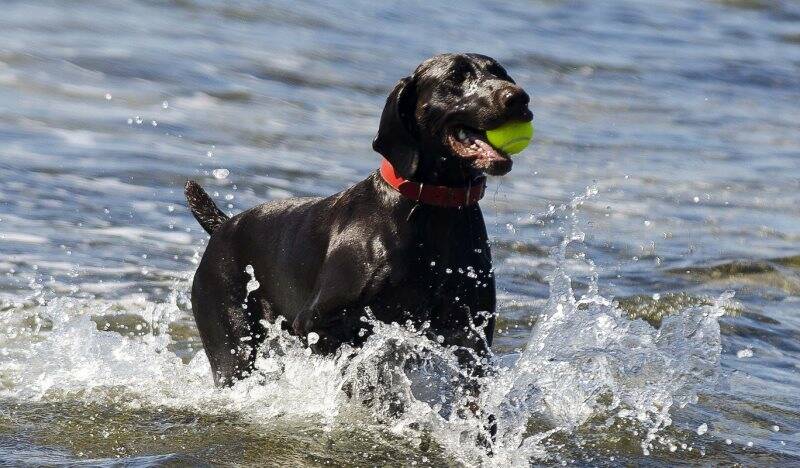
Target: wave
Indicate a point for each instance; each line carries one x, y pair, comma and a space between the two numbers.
777, 273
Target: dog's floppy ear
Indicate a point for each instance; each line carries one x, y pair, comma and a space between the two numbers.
397, 138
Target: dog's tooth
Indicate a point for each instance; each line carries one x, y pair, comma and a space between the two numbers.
462, 135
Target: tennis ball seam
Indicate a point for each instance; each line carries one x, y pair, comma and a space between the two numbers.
515, 140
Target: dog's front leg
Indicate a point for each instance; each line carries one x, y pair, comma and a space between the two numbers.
318, 328
473, 340
332, 318
485, 331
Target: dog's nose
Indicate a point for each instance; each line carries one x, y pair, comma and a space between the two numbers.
515, 101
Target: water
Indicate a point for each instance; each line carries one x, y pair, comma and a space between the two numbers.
663, 179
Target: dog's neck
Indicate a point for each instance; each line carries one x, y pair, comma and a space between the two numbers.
444, 171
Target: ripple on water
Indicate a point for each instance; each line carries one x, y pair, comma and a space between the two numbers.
781, 274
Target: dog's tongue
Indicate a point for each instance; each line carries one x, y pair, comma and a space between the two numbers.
489, 151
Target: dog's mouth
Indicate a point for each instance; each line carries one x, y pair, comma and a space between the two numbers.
471, 144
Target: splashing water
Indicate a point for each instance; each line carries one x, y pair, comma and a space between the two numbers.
585, 359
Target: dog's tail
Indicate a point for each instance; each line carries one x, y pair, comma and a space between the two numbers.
203, 208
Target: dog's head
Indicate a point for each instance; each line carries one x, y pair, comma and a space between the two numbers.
433, 125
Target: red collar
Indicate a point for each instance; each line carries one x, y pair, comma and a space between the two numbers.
437, 195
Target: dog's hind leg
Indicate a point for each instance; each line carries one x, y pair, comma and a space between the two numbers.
228, 320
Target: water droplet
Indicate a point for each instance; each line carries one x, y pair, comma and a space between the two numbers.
312, 338
702, 429
165, 105
253, 284
220, 173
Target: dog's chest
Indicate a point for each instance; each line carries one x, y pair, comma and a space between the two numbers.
436, 282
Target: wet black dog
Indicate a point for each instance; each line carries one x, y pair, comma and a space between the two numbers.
408, 243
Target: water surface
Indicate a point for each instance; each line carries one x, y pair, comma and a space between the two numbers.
679, 119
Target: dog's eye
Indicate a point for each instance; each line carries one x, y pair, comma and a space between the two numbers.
456, 76
452, 88
460, 72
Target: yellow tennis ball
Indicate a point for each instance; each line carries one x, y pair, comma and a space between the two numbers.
511, 138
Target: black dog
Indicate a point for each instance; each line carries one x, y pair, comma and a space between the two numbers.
408, 243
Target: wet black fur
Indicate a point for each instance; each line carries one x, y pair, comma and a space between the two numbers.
321, 261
